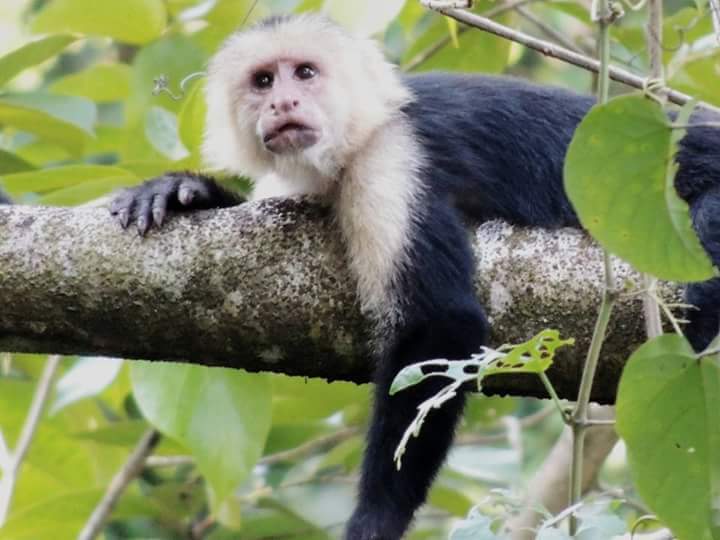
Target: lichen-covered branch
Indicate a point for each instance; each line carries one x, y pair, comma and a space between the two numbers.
263, 286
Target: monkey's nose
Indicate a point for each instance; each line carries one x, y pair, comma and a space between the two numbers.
285, 105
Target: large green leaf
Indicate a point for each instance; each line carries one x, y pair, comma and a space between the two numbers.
668, 413
101, 83
32, 54
130, 21
619, 174
222, 416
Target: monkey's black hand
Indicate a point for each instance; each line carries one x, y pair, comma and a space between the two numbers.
149, 203
4, 199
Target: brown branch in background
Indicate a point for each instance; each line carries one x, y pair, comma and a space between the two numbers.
548, 488
130, 470
566, 55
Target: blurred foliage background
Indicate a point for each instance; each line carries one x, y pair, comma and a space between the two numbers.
249, 456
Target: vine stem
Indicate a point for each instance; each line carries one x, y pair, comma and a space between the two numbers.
12, 461
654, 29
580, 420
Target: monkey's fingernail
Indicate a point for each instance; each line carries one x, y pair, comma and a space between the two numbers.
158, 217
185, 195
123, 216
142, 226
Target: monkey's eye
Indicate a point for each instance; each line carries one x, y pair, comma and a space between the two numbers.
305, 71
262, 80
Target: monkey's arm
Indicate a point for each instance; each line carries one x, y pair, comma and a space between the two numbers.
149, 203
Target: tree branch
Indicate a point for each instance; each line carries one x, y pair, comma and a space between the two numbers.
263, 287
556, 51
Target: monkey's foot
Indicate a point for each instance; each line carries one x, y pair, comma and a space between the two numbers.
447, 4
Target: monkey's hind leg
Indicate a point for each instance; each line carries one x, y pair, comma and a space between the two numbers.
447, 4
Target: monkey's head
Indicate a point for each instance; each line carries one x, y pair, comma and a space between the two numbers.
296, 92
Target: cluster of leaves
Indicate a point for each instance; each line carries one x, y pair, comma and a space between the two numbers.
78, 119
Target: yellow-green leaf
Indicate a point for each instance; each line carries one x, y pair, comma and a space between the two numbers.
129, 21
101, 83
32, 54
64, 134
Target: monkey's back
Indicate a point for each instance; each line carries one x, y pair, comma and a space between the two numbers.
496, 145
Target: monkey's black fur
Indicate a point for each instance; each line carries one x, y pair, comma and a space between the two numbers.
494, 148
4, 199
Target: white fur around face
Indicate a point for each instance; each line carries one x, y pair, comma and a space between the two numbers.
377, 203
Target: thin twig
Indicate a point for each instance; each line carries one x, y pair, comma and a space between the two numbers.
525, 422
549, 30
12, 469
430, 51
169, 461
561, 53
580, 414
130, 470
309, 447
715, 15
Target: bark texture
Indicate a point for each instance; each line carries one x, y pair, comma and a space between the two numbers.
264, 286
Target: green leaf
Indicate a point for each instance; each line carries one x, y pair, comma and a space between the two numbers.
667, 413
478, 51
46, 126
299, 399
10, 163
533, 356
45, 180
700, 78
191, 120
618, 174
221, 415
129, 21
101, 83
365, 18
476, 527
88, 191
87, 377
78, 111
61, 516
32, 54
161, 129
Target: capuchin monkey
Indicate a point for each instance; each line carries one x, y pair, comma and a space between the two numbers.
302, 107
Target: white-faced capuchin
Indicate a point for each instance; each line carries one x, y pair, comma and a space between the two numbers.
303, 107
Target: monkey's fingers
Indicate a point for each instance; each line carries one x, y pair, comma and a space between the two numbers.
121, 208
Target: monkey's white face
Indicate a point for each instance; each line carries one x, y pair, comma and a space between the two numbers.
297, 99
283, 94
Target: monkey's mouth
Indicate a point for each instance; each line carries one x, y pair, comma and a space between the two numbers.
290, 136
